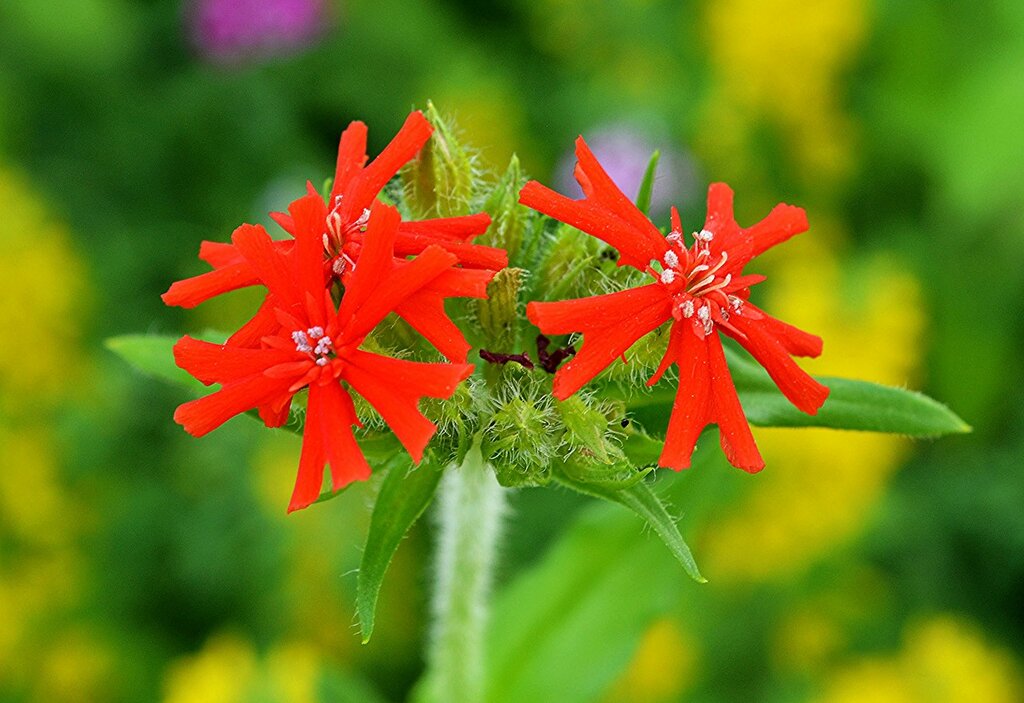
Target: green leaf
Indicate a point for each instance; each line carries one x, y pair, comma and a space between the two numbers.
565, 628
851, 405
153, 355
639, 498
643, 196
403, 497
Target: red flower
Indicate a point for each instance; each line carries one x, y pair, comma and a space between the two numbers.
313, 344
341, 227
699, 289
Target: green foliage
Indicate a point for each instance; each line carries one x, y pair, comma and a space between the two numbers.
851, 405
643, 196
404, 496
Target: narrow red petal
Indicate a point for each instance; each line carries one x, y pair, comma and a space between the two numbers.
219, 254
567, 316
337, 415
391, 291
601, 189
426, 314
634, 248
310, 479
603, 344
209, 412
394, 386
691, 409
671, 352
455, 228
470, 255
795, 383
734, 432
269, 262
365, 186
220, 363
351, 157
461, 283
198, 289
375, 260
793, 339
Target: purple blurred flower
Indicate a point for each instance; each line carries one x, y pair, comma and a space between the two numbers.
624, 150
230, 30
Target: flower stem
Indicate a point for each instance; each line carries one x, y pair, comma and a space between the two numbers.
471, 508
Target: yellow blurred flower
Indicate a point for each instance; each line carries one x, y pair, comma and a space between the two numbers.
229, 670
820, 485
77, 668
782, 61
943, 660
664, 665
41, 302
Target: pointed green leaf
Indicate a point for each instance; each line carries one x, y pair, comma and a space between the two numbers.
639, 498
643, 196
403, 497
153, 355
851, 405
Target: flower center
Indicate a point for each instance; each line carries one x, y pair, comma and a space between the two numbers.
694, 279
339, 233
315, 343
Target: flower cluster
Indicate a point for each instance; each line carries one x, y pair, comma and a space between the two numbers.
352, 261
699, 290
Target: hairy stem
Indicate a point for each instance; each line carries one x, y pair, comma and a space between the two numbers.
470, 510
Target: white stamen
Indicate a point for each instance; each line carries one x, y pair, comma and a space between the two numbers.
315, 332
704, 235
671, 259
720, 285
688, 308
324, 346
337, 200
334, 224
700, 284
668, 275
322, 361
704, 315
363, 218
301, 342
674, 236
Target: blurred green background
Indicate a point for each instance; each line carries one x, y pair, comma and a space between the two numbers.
138, 564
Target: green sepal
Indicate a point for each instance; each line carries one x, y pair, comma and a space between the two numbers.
639, 498
498, 312
439, 181
404, 495
509, 219
643, 195
585, 429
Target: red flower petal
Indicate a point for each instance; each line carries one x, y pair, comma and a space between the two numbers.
198, 289
425, 313
595, 221
220, 363
365, 186
337, 415
271, 266
209, 412
351, 157
394, 387
795, 383
626, 317
734, 432
454, 228
599, 188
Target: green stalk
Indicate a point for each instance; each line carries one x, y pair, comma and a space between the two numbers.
471, 506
